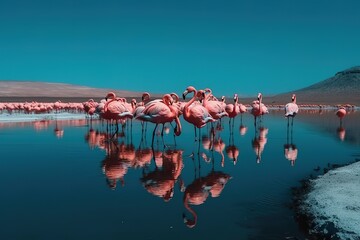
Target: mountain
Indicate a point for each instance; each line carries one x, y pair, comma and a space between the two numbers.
28, 90
342, 88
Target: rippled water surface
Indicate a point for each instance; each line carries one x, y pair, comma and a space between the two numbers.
67, 180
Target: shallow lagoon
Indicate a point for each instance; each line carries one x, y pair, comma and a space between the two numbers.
61, 179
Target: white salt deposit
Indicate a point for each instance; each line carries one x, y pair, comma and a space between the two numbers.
23, 117
335, 198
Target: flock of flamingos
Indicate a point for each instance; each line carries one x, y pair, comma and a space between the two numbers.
202, 108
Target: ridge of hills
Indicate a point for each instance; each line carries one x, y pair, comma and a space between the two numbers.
342, 88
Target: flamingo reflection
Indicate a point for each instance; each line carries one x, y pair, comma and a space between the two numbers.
290, 149
117, 161
58, 131
143, 154
259, 142
199, 190
161, 181
232, 150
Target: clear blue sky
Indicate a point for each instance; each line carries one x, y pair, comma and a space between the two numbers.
242, 47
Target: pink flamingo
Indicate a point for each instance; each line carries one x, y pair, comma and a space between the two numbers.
145, 98
115, 109
216, 108
291, 109
89, 107
196, 113
341, 112
258, 108
161, 112
233, 109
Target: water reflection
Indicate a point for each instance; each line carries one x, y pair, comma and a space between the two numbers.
243, 129
161, 181
259, 142
155, 174
117, 161
58, 130
341, 133
197, 192
143, 154
232, 151
290, 149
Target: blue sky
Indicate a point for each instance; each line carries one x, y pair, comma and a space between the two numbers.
242, 47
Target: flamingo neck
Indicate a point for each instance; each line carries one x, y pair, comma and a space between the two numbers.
187, 105
190, 223
178, 126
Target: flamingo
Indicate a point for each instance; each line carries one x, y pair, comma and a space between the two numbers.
116, 109
233, 109
341, 113
258, 108
291, 109
216, 108
196, 113
161, 112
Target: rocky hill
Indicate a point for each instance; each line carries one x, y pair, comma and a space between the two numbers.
342, 88
40, 91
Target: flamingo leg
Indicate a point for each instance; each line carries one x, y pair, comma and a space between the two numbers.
195, 133
153, 135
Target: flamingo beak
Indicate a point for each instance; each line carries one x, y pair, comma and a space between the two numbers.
184, 94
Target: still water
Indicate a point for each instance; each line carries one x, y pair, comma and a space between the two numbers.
66, 180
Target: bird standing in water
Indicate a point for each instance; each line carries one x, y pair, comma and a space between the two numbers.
291, 109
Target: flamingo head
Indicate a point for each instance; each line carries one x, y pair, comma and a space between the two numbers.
175, 97
168, 195
167, 99
200, 95
110, 95
190, 223
235, 97
259, 96
207, 90
223, 98
145, 96
188, 90
293, 98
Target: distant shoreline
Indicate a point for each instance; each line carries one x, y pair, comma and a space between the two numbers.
271, 102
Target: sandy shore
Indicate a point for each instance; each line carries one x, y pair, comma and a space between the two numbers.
328, 207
